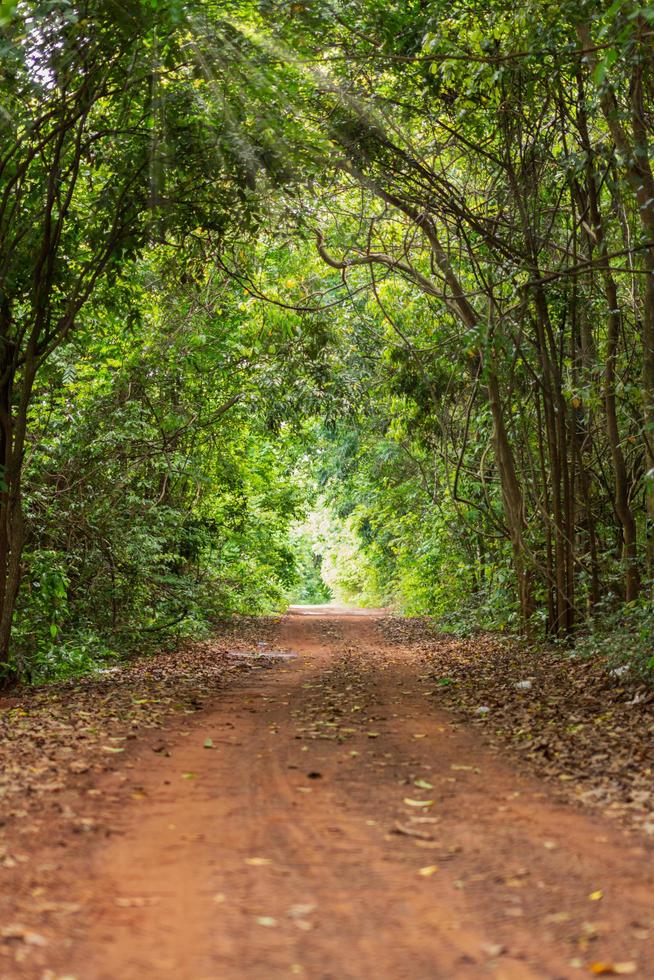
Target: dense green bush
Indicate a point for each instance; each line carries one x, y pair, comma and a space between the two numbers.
623, 635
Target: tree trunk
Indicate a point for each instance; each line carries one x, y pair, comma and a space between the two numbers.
511, 498
13, 430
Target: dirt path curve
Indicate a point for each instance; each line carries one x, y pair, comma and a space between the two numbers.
276, 853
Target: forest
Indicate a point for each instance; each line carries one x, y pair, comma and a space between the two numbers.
301, 299
329, 303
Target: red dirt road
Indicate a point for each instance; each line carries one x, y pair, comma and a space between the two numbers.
287, 849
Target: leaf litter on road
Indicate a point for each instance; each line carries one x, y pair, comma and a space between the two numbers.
568, 719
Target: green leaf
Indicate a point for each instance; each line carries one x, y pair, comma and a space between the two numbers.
601, 68
7, 11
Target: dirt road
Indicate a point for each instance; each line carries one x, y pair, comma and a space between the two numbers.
288, 831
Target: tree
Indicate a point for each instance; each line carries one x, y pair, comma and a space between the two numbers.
116, 133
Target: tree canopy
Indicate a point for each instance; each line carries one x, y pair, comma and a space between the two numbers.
324, 298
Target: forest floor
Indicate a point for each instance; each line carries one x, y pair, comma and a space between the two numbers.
296, 799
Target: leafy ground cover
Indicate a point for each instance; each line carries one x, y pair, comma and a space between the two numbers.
582, 723
59, 742
54, 737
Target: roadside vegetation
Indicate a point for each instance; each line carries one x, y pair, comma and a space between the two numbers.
325, 300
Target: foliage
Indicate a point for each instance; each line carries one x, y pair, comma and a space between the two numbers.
156, 498
389, 266
311, 589
500, 219
622, 636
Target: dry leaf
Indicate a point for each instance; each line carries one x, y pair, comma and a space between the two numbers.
557, 917
24, 935
492, 949
613, 969
300, 911
411, 832
78, 767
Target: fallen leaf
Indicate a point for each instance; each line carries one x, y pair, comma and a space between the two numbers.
492, 949
557, 917
257, 862
613, 969
266, 920
300, 911
208, 743
23, 935
189, 775
422, 784
78, 768
427, 872
596, 896
411, 832
425, 803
